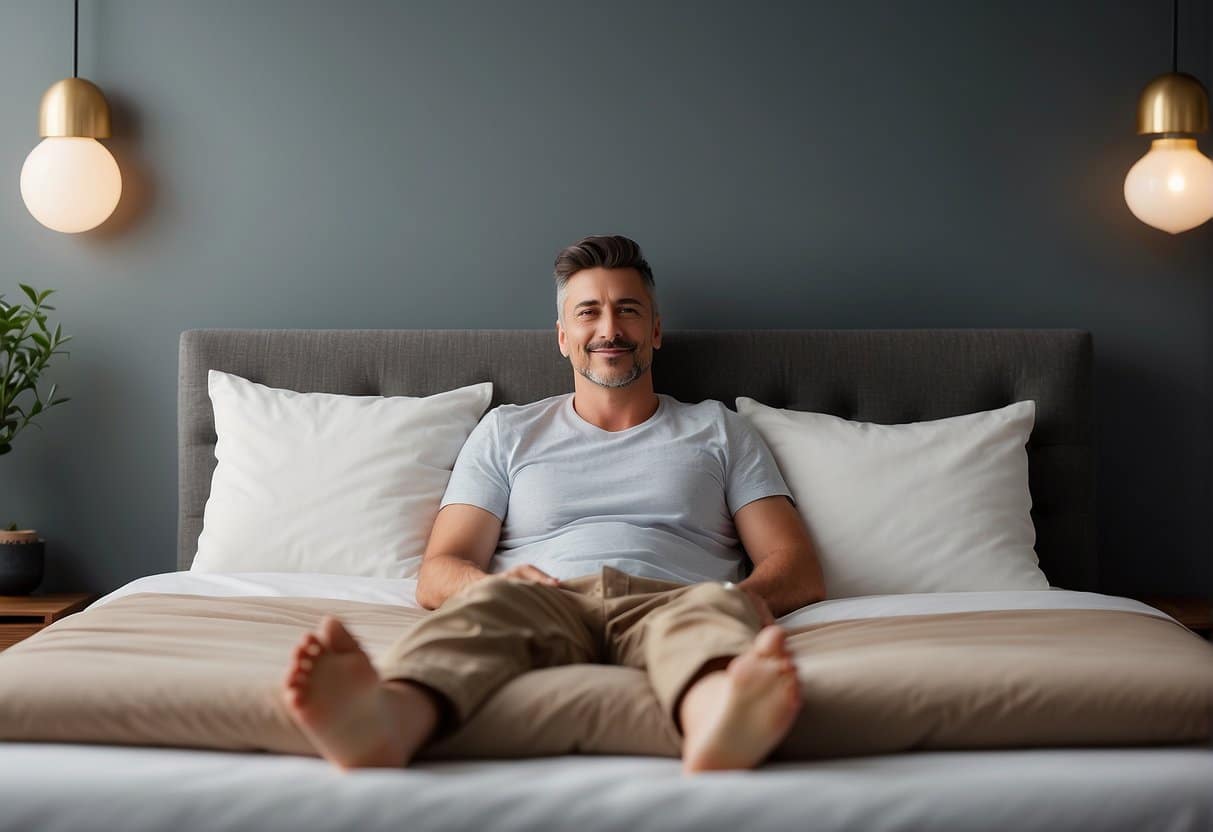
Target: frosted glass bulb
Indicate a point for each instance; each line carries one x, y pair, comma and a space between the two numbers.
70, 183
1171, 187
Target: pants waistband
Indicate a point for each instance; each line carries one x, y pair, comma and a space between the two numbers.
611, 583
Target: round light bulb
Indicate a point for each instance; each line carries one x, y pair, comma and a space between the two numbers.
70, 183
1171, 187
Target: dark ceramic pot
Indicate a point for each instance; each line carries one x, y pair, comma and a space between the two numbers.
21, 567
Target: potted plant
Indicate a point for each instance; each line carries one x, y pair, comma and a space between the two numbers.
26, 347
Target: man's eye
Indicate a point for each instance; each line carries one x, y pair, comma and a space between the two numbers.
584, 312
627, 310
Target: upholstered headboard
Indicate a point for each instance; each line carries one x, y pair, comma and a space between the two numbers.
886, 376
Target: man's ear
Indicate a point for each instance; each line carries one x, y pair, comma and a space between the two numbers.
657, 333
560, 340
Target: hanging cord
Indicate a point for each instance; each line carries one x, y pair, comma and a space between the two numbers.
1174, 35
76, 42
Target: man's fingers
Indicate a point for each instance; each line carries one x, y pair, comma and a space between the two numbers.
543, 577
535, 574
531, 573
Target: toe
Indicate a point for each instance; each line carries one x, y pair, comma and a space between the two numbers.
334, 633
294, 682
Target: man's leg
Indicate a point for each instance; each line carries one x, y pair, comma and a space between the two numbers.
729, 685
353, 718
436, 675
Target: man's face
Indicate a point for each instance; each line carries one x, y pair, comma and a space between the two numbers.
607, 329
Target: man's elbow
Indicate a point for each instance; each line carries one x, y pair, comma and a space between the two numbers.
425, 594
814, 584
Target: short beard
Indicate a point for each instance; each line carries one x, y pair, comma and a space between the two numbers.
638, 370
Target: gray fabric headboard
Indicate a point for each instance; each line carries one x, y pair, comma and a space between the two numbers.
886, 376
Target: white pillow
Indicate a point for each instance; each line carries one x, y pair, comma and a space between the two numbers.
940, 506
318, 482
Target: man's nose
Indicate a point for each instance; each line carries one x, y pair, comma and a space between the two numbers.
608, 325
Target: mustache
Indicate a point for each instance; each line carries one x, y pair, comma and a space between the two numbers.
610, 345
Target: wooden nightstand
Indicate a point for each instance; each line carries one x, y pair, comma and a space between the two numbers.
23, 615
1194, 612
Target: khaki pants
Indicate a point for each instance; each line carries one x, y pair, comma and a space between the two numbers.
499, 628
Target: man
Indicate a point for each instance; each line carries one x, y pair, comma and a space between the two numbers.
612, 518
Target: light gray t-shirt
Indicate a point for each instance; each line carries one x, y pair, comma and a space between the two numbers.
656, 500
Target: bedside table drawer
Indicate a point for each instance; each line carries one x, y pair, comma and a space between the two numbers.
11, 633
23, 615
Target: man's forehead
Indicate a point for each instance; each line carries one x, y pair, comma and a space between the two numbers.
598, 284
594, 301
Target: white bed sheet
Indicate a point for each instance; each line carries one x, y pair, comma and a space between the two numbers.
59, 787
402, 591
62, 787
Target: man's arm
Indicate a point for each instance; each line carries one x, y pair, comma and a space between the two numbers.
458, 552
787, 574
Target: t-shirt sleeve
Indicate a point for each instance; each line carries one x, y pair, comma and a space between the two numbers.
481, 476
750, 469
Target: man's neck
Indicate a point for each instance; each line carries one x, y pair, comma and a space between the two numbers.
615, 409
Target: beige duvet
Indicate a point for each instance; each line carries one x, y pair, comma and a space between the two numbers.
204, 672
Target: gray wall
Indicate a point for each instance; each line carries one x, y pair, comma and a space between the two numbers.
795, 164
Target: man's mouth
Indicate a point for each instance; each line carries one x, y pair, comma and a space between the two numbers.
612, 351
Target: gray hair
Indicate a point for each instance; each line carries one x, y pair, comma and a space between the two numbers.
613, 252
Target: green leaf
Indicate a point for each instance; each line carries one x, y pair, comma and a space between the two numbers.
27, 346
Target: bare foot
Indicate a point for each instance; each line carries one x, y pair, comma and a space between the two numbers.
734, 718
355, 720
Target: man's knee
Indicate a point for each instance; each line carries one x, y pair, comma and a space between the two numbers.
714, 592
711, 595
496, 588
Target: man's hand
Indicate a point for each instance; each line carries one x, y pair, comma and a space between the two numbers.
786, 571
760, 605
526, 572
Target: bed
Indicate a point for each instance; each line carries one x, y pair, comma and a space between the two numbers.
889, 377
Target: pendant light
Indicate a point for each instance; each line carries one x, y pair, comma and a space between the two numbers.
70, 182
1171, 187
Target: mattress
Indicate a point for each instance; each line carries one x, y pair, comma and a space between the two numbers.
63, 786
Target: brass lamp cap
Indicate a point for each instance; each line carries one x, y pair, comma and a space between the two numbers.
1173, 103
74, 107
